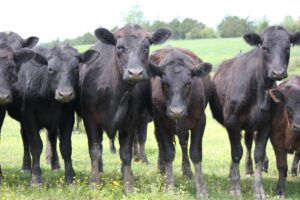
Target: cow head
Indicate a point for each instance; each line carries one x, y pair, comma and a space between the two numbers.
176, 82
10, 62
63, 69
132, 48
274, 44
16, 42
291, 100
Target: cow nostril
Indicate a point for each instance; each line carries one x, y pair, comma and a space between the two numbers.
135, 71
176, 110
278, 72
65, 94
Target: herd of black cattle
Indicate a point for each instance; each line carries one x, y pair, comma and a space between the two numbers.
116, 84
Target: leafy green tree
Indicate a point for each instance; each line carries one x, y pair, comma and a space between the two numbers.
135, 16
261, 24
234, 26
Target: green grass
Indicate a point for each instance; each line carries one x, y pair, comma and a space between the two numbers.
148, 182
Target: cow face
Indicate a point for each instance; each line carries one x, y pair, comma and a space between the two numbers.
274, 44
291, 101
16, 42
176, 82
63, 70
132, 48
10, 63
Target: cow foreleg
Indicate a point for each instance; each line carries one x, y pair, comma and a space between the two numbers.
95, 149
186, 166
196, 157
249, 136
262, 137
294, 168
65, 144
141, 136
26, 166
51, 151
112, 146
36, 147
234, 133
126, 142
166, 138
160, 159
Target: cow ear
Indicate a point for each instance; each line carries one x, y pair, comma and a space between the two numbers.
154, 69
253, 38
30, 42
88, 57
23, 56
295, 38
39, 60
105, 36
277, 96
202, 70
160, 36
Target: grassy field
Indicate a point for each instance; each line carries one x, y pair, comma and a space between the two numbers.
148, 182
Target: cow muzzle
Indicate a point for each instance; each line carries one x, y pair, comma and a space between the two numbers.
5, 97
134, 74
278, 74
65, 95
176, 113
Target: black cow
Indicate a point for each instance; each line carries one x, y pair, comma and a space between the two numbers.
241, 100
108, 97
11, 57
44, 98
180, 94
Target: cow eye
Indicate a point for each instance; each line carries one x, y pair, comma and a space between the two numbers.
266, 49
121, 48
146, 49
51, 70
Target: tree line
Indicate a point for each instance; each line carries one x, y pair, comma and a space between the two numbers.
188, 28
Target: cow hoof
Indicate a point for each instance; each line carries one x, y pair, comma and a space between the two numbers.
93, 186
113, 150
169, 188
260, 196
94, 183
136, 159
128, 188
69, 180
266, 166
145, 160
36, 181
188, 174
294, 171
235, 192
202, 195
55, 167
26, 171
249, 172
